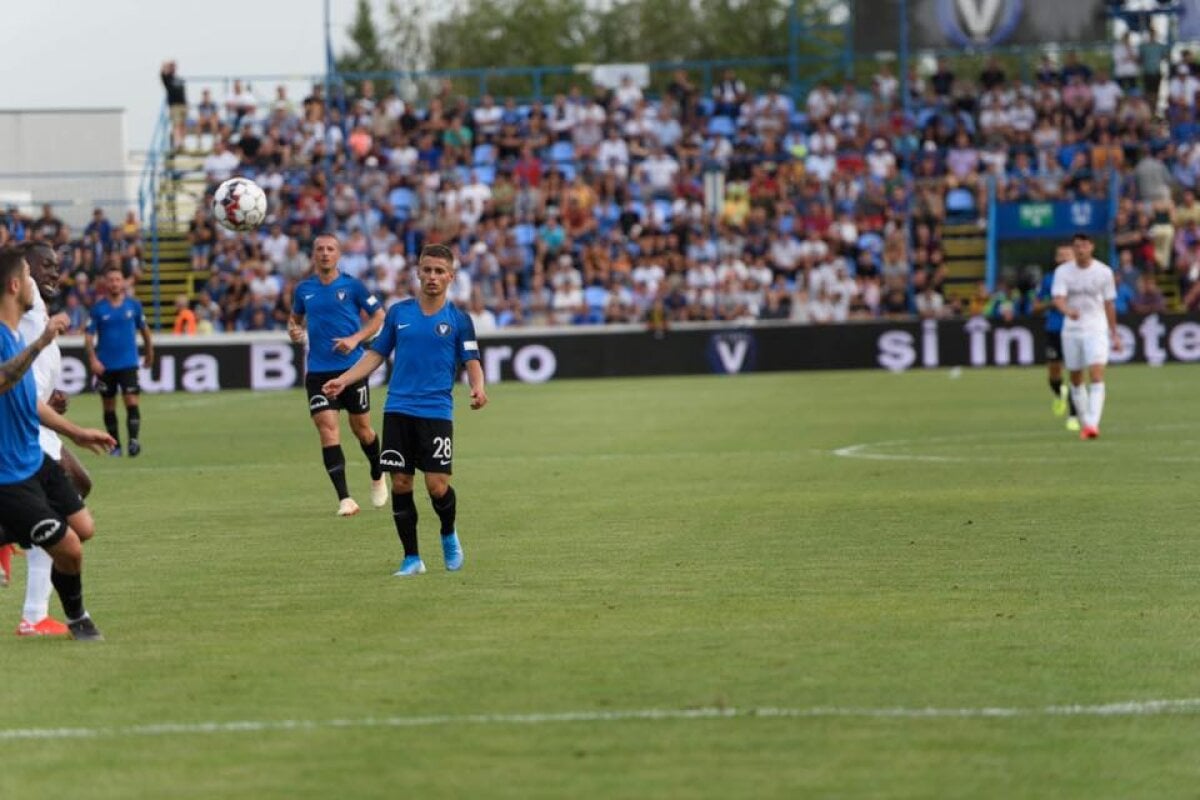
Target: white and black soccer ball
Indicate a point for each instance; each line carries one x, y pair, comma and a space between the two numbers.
240, 204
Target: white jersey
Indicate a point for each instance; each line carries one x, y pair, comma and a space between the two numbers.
1087, 289
46, 368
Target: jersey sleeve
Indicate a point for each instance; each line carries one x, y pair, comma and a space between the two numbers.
468, 345
364, 299
139, 318
385, 342
298, 301
1110, 287
1044, 288
1059, 287
91, 323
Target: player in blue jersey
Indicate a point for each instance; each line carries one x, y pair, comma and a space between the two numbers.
336, 314
38, 504
430, 339
1063, 402
112, 352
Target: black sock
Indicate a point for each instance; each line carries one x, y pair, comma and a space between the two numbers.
445, 507
371, 451
1056, 386
70, 593
1071, 405
133, 421
335, 465
404, 514
110, 425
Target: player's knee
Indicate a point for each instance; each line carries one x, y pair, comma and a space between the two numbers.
437, 485
83, 525
82, 482
67, 553
401, 483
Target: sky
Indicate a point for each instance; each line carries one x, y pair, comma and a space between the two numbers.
107, 53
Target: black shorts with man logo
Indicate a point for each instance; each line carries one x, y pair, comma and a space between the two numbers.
416, 443
356, 399
35, 510
110, 380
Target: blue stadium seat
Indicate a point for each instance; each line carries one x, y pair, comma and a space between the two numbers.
525, 234
485, 154
486, 173
705, 106
1186, 132
562, 151
403, 201
721, 126
960, 205
799, 121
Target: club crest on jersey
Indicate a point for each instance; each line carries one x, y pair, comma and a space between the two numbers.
443, 328
341, 294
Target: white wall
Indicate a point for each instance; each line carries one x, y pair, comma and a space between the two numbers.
44, 154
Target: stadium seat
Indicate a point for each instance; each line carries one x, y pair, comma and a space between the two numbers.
799, 121
705, 106
486, 173
721, 126
484, 154
960, 205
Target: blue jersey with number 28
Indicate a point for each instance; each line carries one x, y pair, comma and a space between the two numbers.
428, 352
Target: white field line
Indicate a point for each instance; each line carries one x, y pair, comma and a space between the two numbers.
1137, 708
868, 451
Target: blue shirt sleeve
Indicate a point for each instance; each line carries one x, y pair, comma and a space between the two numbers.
298, 301
91, 323
139, 318
364, 299
385, 342
468, 345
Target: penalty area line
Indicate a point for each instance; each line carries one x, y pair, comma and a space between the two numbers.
1135, 708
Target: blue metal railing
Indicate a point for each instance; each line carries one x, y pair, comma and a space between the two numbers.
160, 142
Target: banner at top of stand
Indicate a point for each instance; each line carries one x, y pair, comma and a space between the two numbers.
977, 24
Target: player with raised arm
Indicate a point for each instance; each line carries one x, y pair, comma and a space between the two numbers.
111, 344
38, 505
336, 314
1084, 290
1063, 403
430, 339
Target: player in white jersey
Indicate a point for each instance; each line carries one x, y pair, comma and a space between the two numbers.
43, 269
1084, 291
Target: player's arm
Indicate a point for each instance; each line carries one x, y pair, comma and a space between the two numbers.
89, 348
479, 396
346, 344
147, 347
95, 440
1110, 311
1058, 291
13, 370
296, 331
369, 362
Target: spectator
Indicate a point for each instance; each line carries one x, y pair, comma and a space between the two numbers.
99, 228
1149, 299
1152, 54
176, 102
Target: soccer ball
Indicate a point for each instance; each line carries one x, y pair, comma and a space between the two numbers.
240, 204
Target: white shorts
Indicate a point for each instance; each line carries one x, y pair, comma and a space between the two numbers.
1082, 350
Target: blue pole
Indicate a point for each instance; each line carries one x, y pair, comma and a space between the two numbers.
1114, 202
904, 98
794, 51
993, 257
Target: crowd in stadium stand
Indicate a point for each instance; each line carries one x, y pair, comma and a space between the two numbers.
591, 209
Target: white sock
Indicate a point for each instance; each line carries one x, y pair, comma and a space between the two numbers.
1095, 403
38, 587
1080, 395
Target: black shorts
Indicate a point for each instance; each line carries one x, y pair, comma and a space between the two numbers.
1054, 351
356, 399
412, 443
35, 511
108, 381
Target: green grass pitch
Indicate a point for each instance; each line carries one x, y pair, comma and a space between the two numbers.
637, 550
